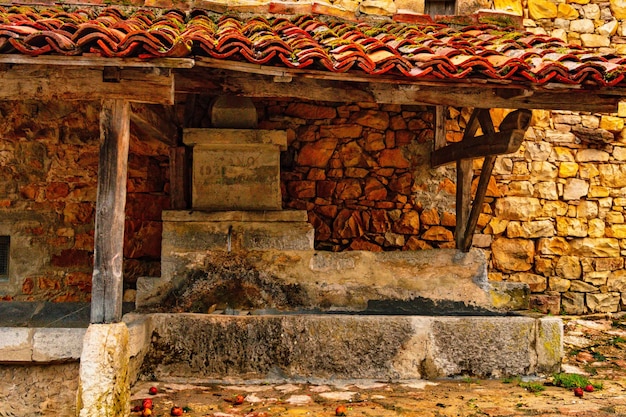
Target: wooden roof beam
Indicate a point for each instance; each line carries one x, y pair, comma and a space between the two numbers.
259, 82
73, 83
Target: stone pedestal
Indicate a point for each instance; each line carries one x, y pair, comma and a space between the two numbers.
236, 169
104, 387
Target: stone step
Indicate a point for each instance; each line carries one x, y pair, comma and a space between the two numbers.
201, 347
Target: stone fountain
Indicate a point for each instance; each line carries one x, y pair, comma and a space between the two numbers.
272, 306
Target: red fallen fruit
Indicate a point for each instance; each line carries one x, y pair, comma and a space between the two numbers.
177, 411
147, 403
239, 400
153, 390
578, 392
341, 410
589, 388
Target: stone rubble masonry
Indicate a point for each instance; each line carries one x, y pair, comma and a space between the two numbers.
48, 166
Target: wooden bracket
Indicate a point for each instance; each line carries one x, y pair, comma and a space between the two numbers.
488, 145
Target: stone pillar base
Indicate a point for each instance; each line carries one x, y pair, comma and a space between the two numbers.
104, 387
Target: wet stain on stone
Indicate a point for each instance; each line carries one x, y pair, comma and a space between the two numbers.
228, 280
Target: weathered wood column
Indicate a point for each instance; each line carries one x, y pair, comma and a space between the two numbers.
107, 281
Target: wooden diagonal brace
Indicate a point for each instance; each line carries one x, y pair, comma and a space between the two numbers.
478, 147
488, 145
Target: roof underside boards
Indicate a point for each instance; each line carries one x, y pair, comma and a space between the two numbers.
396, 62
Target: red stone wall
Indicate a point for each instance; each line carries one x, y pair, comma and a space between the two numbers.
352, 168
48, 171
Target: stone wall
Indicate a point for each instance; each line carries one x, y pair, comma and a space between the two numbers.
351, 167
39, 390
561, 227
48, 167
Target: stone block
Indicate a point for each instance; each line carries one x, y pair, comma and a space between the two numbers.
547, 191
513, 255
529, 230
568, 267
597, 278
555, 208
587, 209
57, 344
612, 175
575, 189
549, 345
553, 246
573, 303
15, 344
568, 169
308, 346
617, 281
510, 295
565, 11
104, 387
236, 169
537, 151
542, 9
520, 189
619, 153
611, 123
473, 345
596, 247
591, 40
518, 208
603, 302
581, 286
582, 26
559, 284
592, 155
536, 283
509, 6
616, 230
571, 226
546, 303
609, 29
544, 171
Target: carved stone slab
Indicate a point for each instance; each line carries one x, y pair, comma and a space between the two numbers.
236, 169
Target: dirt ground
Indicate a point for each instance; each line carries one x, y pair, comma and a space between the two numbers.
594, 347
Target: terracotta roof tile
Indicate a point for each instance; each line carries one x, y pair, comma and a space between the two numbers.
422, 50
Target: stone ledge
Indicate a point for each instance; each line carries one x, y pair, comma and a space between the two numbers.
40, 345
348, 346
201, 137
235, 216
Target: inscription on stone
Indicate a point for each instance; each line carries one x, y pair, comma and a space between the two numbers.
236, 177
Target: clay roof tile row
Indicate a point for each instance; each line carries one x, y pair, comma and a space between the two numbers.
425, 50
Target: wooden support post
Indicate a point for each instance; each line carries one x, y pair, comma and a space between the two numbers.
464, 174
464, 184
107, 282
179, 178
441, 114
485, 174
